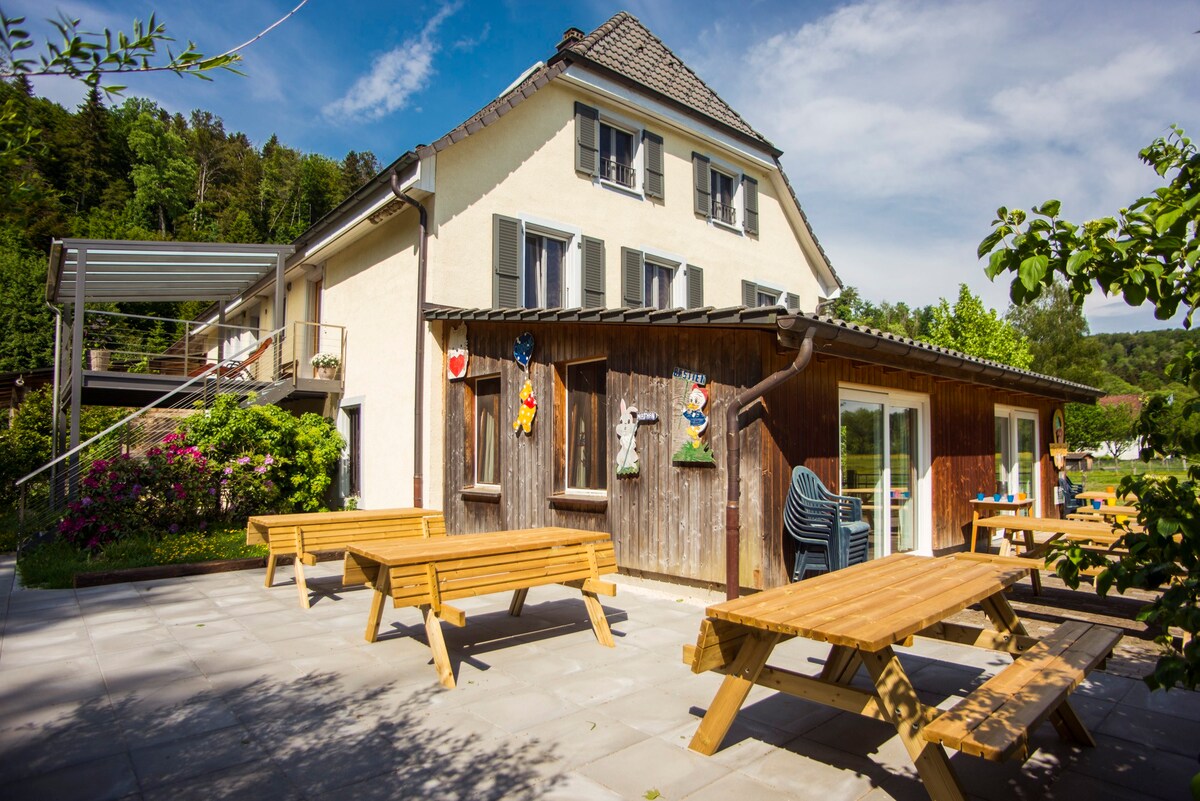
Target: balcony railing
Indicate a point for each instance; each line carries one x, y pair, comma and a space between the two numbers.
724, 212
618, 173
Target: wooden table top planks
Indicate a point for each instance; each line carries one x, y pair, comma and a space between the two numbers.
871, 605
462, 546
1076, 530
258, 528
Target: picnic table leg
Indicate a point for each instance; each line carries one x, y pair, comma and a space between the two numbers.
841, 664
437, 644
743, 673
599, 621
975, 530
898, 698
518, 601
272, 558
382, 589
1035, 575
301, 584
1001, 613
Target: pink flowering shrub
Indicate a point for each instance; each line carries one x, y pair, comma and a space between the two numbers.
174, 487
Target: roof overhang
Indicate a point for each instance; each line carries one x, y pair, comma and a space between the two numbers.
108, 271
860, 343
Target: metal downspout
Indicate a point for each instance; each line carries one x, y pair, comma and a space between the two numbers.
733, 451
419, 373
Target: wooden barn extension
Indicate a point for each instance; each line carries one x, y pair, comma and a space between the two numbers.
669, 520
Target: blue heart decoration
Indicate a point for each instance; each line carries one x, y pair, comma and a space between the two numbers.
523, 349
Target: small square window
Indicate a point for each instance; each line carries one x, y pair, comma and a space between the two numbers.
587, 426
764, 297
723, 190
616, 156
487, 431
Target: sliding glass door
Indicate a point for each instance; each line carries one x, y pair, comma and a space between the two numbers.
885, 463
1017, 469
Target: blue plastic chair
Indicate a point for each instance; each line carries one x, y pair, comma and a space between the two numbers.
1070, 489
828, 529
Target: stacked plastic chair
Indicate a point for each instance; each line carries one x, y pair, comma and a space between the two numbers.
829, 531
1070, 489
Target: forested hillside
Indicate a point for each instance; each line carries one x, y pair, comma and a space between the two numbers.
134, 171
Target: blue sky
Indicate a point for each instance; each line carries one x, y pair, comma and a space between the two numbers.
903, 124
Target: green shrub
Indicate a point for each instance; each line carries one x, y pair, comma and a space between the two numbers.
306, 449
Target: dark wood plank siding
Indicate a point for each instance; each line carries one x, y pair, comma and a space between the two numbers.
669, 520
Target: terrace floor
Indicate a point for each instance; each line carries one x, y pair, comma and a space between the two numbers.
216, 687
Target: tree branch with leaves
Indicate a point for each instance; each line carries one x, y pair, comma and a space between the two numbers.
1146, 253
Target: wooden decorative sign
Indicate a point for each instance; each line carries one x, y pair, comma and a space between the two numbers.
527, 409
1058, 448
626, 428
457, 353
523, 349
693, 399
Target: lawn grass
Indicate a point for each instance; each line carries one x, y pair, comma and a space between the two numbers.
1109, 472
54, 565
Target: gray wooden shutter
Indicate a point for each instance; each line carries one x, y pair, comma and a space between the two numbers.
654, 185
587, 139
695, 287
749, 293
633, 278
593, 272
792, 301
750, 201
703, 184
506, 262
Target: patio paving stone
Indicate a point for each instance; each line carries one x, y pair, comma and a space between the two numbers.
214, 686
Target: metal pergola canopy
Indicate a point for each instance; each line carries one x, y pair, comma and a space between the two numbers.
107, 271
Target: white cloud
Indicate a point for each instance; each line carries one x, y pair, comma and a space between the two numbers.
906, 124
395, 76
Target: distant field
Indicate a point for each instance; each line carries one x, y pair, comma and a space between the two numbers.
1110, 472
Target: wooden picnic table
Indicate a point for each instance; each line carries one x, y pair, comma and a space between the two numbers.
305, 534
866, 610
1102, 495
428, 573
1107, 510
985, 507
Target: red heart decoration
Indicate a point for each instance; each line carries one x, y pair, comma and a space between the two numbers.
458, 365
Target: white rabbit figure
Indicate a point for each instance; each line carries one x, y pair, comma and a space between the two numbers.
627, 424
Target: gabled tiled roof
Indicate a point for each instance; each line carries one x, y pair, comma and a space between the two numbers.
626, 47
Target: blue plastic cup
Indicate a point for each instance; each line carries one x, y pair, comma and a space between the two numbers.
1096, 505
1011, 497
979, 496
996, 497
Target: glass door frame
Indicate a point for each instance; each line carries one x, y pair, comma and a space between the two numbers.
924, 490
1012, 470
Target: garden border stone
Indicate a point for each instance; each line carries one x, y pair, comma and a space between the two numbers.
154, 572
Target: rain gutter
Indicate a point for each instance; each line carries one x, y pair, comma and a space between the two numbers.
733, 450
419, 372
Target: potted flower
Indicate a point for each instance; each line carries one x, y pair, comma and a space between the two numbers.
326, 364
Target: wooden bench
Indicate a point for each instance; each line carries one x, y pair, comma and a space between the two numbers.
427, 574
994, 721
305, 535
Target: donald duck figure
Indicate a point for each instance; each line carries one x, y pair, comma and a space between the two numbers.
693, 413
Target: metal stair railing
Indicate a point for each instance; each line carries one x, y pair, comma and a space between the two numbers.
43, 493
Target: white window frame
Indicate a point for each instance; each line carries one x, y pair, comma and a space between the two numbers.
573, 263
871, 394
1015, 413
678, 264
636, 158
359, 403
566, 375
475, 426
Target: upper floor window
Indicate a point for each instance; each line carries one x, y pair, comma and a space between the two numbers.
618, 152
541, 264
616, 156
545, 267
660, 280
754, 294
724, 195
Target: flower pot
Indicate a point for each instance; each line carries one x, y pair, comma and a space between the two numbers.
99, 360
327, 373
